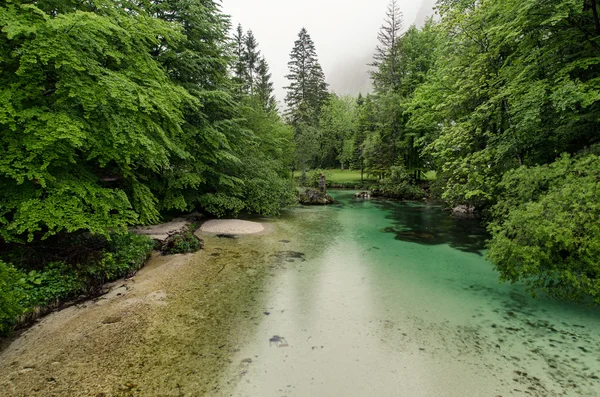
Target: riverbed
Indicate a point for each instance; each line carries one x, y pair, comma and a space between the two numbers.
362, 298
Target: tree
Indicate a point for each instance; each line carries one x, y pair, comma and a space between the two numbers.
87, 115
305, 97
385, 59
307, 90
239, 55
337, 127
264, 86
546, 231
252, 60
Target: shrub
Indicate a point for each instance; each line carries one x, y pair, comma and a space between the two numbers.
313, 177
399, 185
11, 297
183, 243
21, 291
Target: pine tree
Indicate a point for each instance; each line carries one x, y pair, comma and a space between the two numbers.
251, 59
307, 90
385, 58
264, 86
251, 70
239, 52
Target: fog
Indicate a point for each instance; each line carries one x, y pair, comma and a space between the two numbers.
344, 32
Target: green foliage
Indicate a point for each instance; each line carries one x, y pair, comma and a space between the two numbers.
182, 243
124, 255
400, 185
112, 112
11, 297
22, 290
57, 282
337, 129
546, 231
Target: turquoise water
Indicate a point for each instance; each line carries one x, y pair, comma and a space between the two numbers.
380, 298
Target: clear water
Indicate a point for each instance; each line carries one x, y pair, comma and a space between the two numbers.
397, 299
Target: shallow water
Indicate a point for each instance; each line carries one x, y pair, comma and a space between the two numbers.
397, 299
363, 298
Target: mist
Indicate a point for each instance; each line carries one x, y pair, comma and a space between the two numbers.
344, 32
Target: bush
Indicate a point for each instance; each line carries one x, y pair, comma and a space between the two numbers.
312, 178
546, 231
55, 283
21, 291
183, 243
11, 297
125, 255
399, 185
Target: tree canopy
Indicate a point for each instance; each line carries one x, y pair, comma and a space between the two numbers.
112, 112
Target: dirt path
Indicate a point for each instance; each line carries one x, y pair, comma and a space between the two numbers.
169, 331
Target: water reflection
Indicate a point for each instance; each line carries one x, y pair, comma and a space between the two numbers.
430, 225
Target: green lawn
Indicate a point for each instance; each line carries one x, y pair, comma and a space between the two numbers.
429, 176
346, 176
353, 176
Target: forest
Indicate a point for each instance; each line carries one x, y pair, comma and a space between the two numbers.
121, 113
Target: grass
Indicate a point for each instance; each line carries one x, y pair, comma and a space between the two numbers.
347, 176
429, 176
338, 176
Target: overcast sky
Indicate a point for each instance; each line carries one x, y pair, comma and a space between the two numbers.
344, 32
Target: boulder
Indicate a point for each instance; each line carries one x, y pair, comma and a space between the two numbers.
363, 195
315, 197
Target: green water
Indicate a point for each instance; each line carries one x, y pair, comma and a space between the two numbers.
397, 299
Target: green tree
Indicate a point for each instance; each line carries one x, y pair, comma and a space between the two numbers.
546, 231
305, 97
307, 91
264, 86
85, 110
386, 59
337, 127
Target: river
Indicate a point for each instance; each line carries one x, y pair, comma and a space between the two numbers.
362, 298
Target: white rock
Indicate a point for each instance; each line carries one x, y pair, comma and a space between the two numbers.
231, 226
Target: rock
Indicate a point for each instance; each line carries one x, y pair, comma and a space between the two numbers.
464, 210
162, 232
315, 197
363, 195
230, 228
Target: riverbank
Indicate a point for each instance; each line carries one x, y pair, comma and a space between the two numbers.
178, 319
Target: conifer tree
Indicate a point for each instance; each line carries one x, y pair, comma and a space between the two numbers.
385, 58
251, 70
251, 60
239, 52
264, 85
307, 90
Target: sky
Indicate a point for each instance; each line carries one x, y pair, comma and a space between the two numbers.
344, 32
